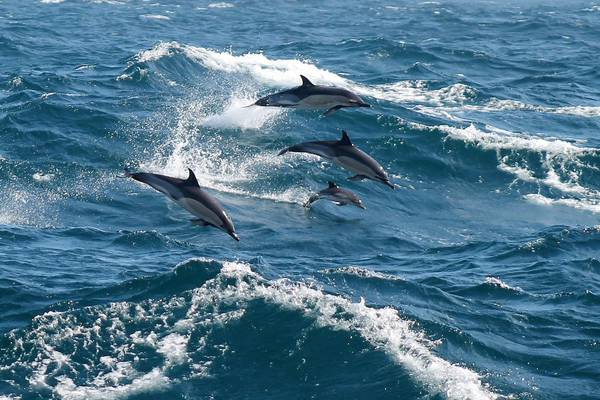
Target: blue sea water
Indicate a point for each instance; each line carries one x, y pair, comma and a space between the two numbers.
478, 278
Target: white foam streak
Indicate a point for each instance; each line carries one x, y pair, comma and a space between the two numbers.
220, 5
362, 273
581, 204
497, 139
156, 16
491, 280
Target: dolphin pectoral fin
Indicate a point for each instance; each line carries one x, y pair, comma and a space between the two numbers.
357, 178
339, 204
332, 110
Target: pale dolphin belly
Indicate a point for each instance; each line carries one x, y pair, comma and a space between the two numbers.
201, 211
354, 165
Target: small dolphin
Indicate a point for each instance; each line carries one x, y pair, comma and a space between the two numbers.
337, 195
188, 194
345, 154
313, 96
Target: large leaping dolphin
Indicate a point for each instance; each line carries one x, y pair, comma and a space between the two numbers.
188, 194
310, 96
345, 154
337, 195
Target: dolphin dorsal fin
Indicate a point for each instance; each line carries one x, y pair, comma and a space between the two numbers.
345, 139
332, 185
305, 81
191, 180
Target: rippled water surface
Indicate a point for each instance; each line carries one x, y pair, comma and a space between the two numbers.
477, 278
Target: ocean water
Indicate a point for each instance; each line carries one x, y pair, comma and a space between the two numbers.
477, 278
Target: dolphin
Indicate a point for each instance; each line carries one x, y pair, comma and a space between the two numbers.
343, 153
189, 195
310, 96
339, 196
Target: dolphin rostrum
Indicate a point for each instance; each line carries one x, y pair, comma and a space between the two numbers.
337, 195
313, 96
343, 153
189, 195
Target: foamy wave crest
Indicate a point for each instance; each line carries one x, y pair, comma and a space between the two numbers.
285, 73
562, 162
95, 352
382, 328
592, 205
497, 139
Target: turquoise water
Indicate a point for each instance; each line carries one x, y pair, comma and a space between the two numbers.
478, 278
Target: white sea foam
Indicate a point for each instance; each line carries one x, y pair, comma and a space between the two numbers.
496, 139
383, 328
219, 162
16, 82
592, 205
51, 1
156, 16
491, 280
237, 115
42, 177
221, 5
170, 323
494, 105
285, 73
555, 157
362, 273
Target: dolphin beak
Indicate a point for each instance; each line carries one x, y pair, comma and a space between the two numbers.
234, 235
362, 206
390, 184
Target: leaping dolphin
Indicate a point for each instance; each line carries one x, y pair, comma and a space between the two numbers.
189, 195
310, 96
343, 153
337, 195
